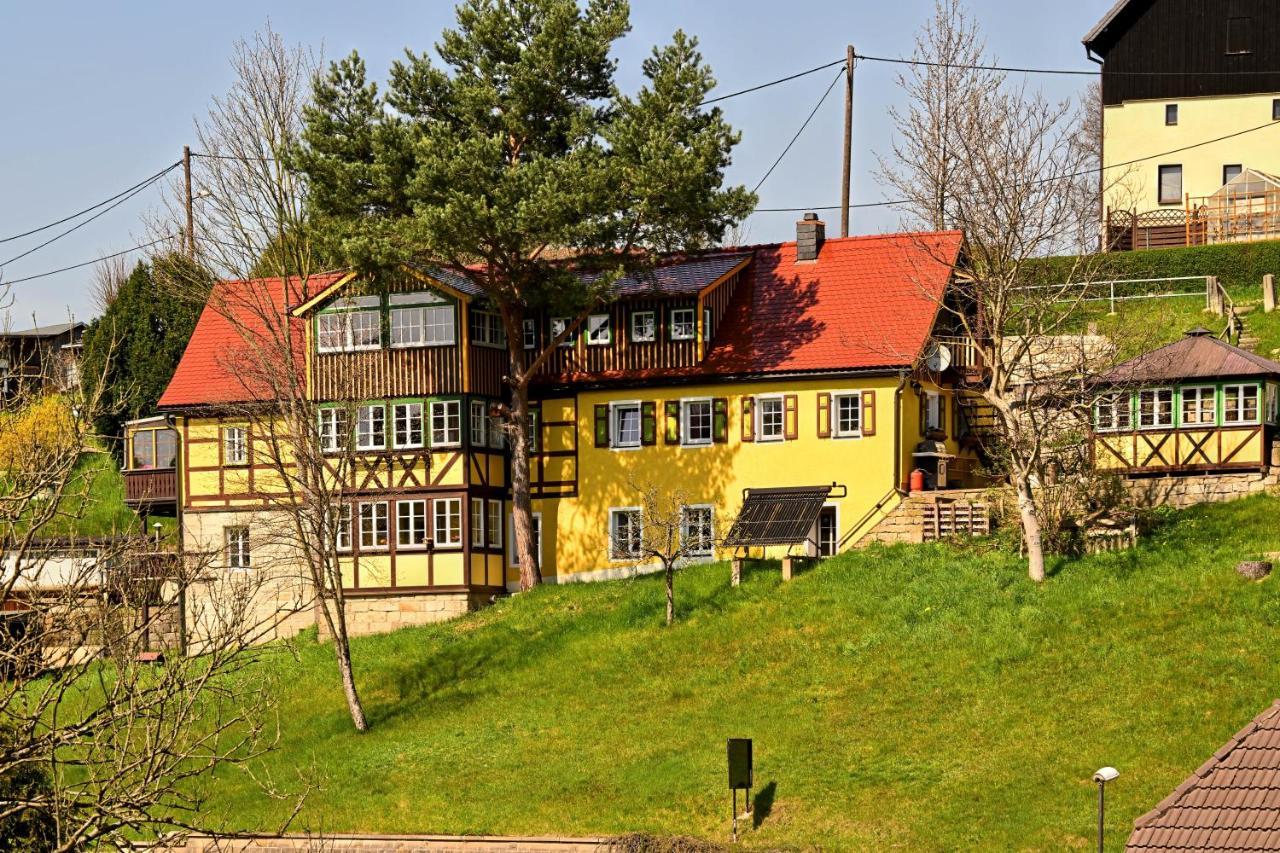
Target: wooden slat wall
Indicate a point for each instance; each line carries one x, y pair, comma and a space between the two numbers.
718, 300
410, 372
622, 354
488, 365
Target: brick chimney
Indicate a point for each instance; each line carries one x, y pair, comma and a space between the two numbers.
810, 234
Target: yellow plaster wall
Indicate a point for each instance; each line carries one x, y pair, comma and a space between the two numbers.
1136, 129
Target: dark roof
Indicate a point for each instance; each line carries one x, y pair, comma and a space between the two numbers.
1198, 355
1231, 804
460, 283
777, 516
1107, 19
52, 331
688, 276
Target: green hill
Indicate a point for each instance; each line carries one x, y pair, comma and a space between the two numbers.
918, 697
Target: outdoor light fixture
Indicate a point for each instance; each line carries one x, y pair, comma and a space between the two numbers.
1102, 777
156, 527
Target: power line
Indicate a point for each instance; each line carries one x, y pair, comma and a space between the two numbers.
787, 79
1079, 174
85, 222
141, 183
812, 113
1071, 72
6, 283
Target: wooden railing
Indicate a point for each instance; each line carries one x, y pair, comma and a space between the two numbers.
1217, 218
150, 486
965, 354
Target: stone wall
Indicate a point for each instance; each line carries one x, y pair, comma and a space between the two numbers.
905, 523
383, 613
389, 844
1188, 491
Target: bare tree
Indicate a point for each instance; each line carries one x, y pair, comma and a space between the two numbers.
109, 274
666, 528
923, 166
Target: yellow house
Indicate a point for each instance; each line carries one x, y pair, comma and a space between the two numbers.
1190, 91
813, 363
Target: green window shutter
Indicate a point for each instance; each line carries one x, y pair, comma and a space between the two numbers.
720, 420
602, 426
648, 423
748, 418
671, 427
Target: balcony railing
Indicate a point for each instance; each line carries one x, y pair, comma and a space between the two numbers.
965, 354
148, 487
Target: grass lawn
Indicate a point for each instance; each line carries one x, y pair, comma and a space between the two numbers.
915, 697
93, 504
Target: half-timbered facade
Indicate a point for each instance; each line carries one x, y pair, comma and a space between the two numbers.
785, 365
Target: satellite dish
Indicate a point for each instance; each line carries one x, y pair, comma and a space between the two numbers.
939, 358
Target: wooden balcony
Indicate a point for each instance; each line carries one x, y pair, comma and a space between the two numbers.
1188, 450
151, 488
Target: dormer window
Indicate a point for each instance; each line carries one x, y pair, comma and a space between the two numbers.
421, 320
683, 324
352, 324
643, 327
599, 330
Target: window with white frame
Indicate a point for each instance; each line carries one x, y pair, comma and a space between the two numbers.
421, 320
479, 424
1200, 406
932, 411
408, 424
624, 534
493, 524
625, 425
769, 419
355, 325
342, 527
446, 423
411, 524
235, 447
477, 522
695, 422
1155, 408
683, 324
497, 437
530, 334
486, 329
644, 327
371, 427
537, 539
846, 416
331, 332
373, 525
237, 547
531, 432
1112, 412
447, 526
366, 329
1240, 404
558, 325
599, 330
696, 534
333, 429
706, 325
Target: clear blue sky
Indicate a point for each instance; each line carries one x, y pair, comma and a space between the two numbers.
97, 96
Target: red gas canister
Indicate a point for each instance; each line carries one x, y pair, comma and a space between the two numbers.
917, 480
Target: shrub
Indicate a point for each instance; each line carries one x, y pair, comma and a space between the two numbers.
1237, 265
29, 829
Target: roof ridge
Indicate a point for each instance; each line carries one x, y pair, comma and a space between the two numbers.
1193, 781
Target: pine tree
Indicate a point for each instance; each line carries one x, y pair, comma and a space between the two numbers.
517, 148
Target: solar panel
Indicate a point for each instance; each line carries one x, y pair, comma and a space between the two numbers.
777, 516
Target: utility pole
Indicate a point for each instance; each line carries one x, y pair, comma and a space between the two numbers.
848, 141
191, 222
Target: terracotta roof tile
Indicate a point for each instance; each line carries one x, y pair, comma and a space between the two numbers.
1230, 804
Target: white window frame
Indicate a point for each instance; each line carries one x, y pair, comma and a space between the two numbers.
375, 316
652, 335
616, 556
1199, 393
413, 523
396, 420
345, 312
558, 325
493, 523
448, 509
235, 445
1229, 416
615, 433
361, 444
486, 329
761, 400
342, 527
376, 519
333, 430
675, 334
456, 429
529, 333
432, 318
933, 412
478, 425
237, 549
710, 550
599, 330
477, 522
686, 422
836, 397
1117, 402
1156, 423
342, 332
707, 325
513, 559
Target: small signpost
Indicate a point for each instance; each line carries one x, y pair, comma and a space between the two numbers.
740, 775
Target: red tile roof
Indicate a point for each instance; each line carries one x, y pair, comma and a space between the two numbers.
1231, 804
240, 324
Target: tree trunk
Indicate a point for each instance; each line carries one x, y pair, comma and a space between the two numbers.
521, 501
342, 649
1030, 528
670, 572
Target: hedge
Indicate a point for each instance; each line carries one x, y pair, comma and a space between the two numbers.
1237, 265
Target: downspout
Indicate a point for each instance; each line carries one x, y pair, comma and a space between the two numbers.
897, 432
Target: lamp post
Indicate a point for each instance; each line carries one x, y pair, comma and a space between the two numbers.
1102, 777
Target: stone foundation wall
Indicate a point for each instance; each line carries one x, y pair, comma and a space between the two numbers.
380, 614
1188, 491
388, 844
905, 523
